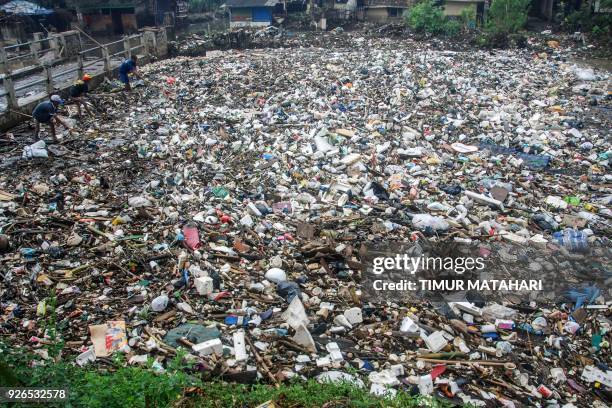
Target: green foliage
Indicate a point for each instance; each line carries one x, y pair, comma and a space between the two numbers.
452, 27
605, 4
125, 386
482, 40
585, 20
426, 17
507, 16
120, 386
468, 17
604, 28
51, 327
578, 20
145, 313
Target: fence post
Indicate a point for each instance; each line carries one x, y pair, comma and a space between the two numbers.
150, 42
4, 68
11, 97
37, 37
80, 41
107, 61
80, 66
10, 92
142, 44
63, 42
36, 45
146, 37
34, 53
80, 56
161, 42
49, 76
155, 52
54, 45
127, 47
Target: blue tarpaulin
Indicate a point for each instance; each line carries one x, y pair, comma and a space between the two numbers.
262, 14
24, 8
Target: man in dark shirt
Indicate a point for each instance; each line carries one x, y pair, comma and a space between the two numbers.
77, 93
128, 67
45, 111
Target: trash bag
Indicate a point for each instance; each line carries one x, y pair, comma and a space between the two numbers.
195, 333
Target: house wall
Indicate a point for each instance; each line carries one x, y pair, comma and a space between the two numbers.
129, 23
241, 14
262, 14
377, 15
234, 24
454, 8
103, 23
251, 17
99, 23
13, 32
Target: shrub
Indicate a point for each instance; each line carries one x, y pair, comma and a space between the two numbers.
507, 16
468, 17
426, 17
452, 27
585, 20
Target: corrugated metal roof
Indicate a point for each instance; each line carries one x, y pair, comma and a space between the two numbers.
100, 4
24, 8
251, 3
388, 3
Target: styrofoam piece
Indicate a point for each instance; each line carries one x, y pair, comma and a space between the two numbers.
209, 347
240, 346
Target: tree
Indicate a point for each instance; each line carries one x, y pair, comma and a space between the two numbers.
507, 16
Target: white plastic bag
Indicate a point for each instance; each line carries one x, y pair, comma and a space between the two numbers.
424, 221
38, 149
585, 74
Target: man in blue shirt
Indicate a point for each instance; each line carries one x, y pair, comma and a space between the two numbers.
45, 111
128, 67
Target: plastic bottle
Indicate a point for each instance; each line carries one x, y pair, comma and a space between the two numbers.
573, 240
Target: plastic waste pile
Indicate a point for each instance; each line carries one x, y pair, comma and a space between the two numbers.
227, 209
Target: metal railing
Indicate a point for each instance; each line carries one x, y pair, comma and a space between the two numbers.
79, 62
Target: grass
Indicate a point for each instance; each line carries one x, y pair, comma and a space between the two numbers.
178, 386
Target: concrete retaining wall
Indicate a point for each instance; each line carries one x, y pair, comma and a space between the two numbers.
155, 45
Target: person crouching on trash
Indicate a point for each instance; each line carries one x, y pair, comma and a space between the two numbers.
45, 112
77, 92
129, 66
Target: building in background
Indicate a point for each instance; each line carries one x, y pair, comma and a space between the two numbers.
261, 13
381, 11
340, 10
253, 13
116, 17
455, 7
19, 18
